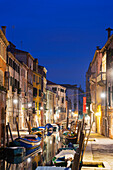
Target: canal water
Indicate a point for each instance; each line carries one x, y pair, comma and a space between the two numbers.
32, 159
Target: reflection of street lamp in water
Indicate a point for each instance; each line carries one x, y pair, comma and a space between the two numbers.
15, 101
29, 106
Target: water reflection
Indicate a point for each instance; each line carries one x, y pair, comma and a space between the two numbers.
41, 157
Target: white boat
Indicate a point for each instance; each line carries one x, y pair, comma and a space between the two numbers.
64, 158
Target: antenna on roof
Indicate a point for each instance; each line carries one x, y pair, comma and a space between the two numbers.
21, 44
13, 27
109, 31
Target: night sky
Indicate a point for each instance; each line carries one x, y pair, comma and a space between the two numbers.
62, 34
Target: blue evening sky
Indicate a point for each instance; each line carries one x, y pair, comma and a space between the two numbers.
62, 34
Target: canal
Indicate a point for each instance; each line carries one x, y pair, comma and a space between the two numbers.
32, 159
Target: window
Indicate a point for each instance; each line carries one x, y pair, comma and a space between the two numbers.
10, 62
34, 78
39, 80
16, 67
109, 101
101, 67
18, 70
54, 89
11, 81
62, 99
39, 106
18, 84
1, 77
15, 83
40, 93
58, 97
62, 90
112, 94
13, 65
34, 92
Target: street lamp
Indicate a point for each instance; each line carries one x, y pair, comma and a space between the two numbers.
103, 95
15, 101
86, 107
29, 105
41, 108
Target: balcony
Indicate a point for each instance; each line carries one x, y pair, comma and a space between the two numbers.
101, 78
93, 78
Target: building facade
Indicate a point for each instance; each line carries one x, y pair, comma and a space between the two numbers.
27, 59
24, 96
3, 45
74, 96
61, 95
101, 87
37, 83
88, 93
14, 100
43, 103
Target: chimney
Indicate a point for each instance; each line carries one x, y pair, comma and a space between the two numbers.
98, 48
4, 29
109, 32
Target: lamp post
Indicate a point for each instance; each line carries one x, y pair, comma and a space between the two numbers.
29, 107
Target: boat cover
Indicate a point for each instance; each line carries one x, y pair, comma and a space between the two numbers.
67, 153
52, 168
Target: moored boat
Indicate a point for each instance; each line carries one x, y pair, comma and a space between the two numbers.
72, 139
48, 126
29, 141
36, 131
64, 158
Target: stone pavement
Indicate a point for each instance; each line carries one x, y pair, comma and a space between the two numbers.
99, 150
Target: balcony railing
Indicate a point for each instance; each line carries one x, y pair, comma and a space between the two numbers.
93, 78
101, 78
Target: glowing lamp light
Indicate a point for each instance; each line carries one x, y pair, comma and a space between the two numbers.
15, 101
69, 110
29, 104
29, 160
87, 107
98, 114
102, 95
41, 108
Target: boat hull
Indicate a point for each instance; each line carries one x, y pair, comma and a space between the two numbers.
27, 143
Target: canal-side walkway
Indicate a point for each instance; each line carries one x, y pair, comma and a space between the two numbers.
99, 148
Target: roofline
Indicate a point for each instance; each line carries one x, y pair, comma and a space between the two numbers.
21, 51
9, 53
107, 43
43, 68
56, 85
4, 38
